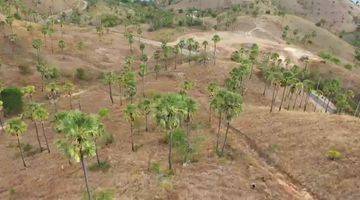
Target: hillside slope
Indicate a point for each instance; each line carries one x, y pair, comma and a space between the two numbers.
341, 15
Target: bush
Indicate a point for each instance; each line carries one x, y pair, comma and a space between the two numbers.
24, 69
110, 20
12, 99
333, 155
348, 66
80, 74
104, 166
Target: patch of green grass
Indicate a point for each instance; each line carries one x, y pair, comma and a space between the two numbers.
329, 57
155, 168
103, 166
333, 155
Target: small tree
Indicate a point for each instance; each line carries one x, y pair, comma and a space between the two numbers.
12, 100
191, 107
142, 73
53, 90
130, 85
212, 90
131, 113
28, 91
30, 113
17, 127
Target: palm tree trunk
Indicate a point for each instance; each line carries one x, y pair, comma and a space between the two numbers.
226, 134
306, 101
327, 106
146, 122
170, 151
188, 124
273, 99
282, 99
210, 112
97, 153
83, 165
110, 93
264, 92
132, 137
143, 86
289, 100
357, 109
70, 101
296, 97
46, 141
37, 134
21, 152
302, 99
218, 132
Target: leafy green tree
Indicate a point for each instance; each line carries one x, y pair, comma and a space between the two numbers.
12, 100
17, 127
109, 79
331, 88
37, 44
40, 114
131, 113
169, 111
77, 142
217, 104
216, 39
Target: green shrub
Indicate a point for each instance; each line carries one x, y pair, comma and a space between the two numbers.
80, 74
103, 166
333, 155
348, 66
101, 195
107, 139
155, 168
24, 69
12, 99
109, 20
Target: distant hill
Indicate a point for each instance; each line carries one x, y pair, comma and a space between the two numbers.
335, 15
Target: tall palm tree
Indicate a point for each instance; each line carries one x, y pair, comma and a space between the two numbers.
232, 108
212, 90
17, 127
40, 114
216, 39
217, 105
109, 79
181, 45
145, 108
131, 113
142, 73
30, 113
169, 111
130, 85
37, 44
191, 107
77, 142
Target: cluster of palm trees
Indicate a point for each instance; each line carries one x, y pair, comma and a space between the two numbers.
297, 87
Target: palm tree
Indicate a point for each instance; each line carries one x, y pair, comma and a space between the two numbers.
254, 53
285, 81
40, 114
187, 86
190, 46
54, 90
216, 38
191, 107
17, 127
205, 43
169, 110
29, 91
142, 48
78, 130
331, 88
30, 113
37, 44
130, 38
62, 46
232, 108
274, 77
131, 113
69, 89
212, 90
145, 108
130, 85
217, 104
109, 79
176, 53
308, 86
142, 73
181, 45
